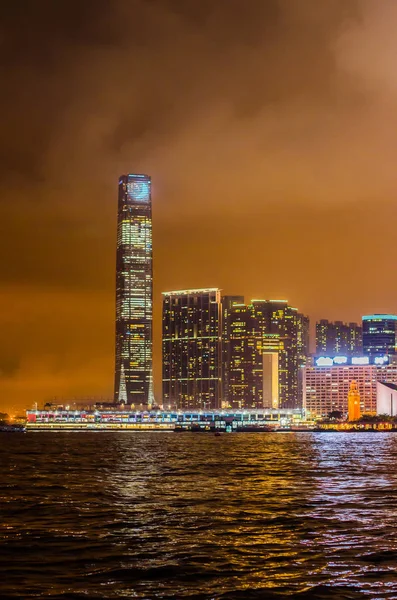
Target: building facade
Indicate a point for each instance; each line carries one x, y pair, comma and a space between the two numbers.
134, 292
264, 342
327, 382
386, 399
278, 318
192, 349
336, 337
242, 357
379, 334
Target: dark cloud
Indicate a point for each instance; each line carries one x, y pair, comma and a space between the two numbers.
268, 129
9, 365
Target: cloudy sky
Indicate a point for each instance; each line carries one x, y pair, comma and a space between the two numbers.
268, 127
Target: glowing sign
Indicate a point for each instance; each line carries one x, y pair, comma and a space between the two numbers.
360, 360
381, 360
138, 191
340, 360
324, 361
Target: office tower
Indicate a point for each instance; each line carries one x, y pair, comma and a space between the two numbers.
192, 349
327, 382
379, 334
264, 341
134, 291
338, 338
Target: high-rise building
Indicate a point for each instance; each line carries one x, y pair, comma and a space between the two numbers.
355, 339
264, 341
327, 382
276, 317
134, 291
303, 330
242, 356
379, 334
226, 305
303, 350
338, 338
192, 350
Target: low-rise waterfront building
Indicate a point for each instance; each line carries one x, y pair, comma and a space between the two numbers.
55, 420
386, 398
327, 382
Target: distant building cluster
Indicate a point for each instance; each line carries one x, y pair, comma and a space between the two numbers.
220, 352
338, 338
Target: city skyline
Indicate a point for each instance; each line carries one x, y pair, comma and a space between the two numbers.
270, 170
198, 307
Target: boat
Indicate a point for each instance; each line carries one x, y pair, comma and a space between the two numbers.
254, 429
12, 428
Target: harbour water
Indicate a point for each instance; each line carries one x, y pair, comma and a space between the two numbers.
155, 515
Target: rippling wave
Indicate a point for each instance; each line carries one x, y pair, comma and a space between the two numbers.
157, 515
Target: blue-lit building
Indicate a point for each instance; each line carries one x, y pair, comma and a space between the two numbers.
379, 334
134, 292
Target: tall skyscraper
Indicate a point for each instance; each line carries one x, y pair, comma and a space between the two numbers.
379, 334
192, 351
134, 292
338, 338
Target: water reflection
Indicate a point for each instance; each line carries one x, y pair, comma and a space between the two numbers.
354, 508
221, 510
159, 515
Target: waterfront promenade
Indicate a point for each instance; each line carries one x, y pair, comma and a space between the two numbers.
228, 420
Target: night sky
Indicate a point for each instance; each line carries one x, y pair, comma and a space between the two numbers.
269, 130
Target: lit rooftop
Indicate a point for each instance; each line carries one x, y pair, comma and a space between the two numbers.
193, 291
258, 300
379, 317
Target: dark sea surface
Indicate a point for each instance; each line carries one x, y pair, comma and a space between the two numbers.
164, 515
